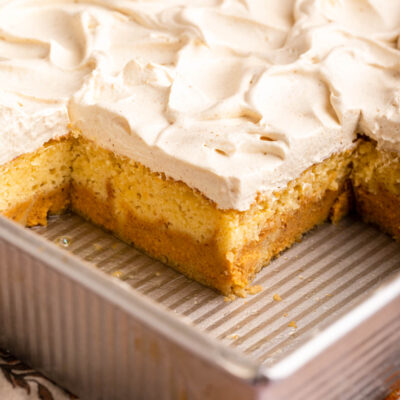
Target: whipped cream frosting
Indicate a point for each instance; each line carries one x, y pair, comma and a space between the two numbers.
232, 97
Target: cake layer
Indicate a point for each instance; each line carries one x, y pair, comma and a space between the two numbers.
172, 222
37, 183
167, 219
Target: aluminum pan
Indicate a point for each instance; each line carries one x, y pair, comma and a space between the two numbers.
318, 280
344, 265
99, 338
115, 291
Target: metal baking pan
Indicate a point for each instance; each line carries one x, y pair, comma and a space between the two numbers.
107, 322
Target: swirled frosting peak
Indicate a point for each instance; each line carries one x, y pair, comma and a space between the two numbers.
233, 97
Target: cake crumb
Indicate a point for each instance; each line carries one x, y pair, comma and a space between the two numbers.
229, 298
285, 314
241, 292
276, 297
97, 246
233, 336
301, 277
158, 273
292, 324
254, 289
117, 274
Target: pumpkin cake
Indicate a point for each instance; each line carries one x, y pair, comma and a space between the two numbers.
211, 135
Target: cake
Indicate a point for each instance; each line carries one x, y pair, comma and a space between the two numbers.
209, 134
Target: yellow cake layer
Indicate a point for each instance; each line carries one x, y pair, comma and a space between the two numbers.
178, 225
376, 169
37, 183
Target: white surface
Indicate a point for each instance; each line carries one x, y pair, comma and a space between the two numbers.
23, 383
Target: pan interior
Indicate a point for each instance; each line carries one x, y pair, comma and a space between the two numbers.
305, 289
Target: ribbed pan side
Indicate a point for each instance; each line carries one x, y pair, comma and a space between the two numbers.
317, 280
92, 347
364, 365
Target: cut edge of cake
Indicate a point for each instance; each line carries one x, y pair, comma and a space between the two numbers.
376, 183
